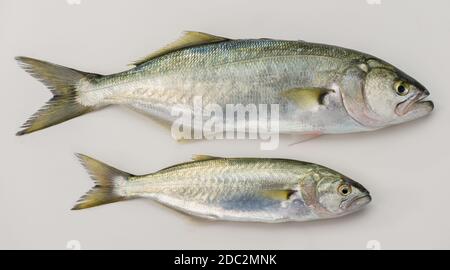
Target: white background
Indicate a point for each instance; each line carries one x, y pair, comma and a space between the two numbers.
406, 167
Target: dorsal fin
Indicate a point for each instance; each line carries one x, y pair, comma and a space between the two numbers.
188, 39
203, 157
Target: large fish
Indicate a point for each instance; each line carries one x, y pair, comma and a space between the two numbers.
319, 88
236, 189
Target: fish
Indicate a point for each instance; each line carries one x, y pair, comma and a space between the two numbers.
233, 189
319, 88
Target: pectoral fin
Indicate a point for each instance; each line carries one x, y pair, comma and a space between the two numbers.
278, 194
307, 98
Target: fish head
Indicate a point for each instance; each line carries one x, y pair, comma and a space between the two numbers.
381, 95
340, 195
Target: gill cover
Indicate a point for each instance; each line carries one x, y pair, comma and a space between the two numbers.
353, 94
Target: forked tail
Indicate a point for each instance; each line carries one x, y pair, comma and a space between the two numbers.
108, 183
62, 82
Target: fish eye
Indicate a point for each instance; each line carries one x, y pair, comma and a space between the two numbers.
344, 189
401, 88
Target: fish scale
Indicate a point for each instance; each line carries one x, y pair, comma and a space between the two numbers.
235, 189
315, 88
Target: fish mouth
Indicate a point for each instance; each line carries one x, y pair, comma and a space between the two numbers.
415, 103
356, 203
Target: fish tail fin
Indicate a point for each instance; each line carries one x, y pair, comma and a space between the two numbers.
108, 182
62, 82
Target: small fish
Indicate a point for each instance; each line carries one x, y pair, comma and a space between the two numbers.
235, 189
320, 89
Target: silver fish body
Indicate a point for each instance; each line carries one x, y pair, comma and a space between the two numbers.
235, 72
319, 88
236, 189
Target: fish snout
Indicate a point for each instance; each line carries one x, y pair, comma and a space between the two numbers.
360, 201
357, 203
426, 105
